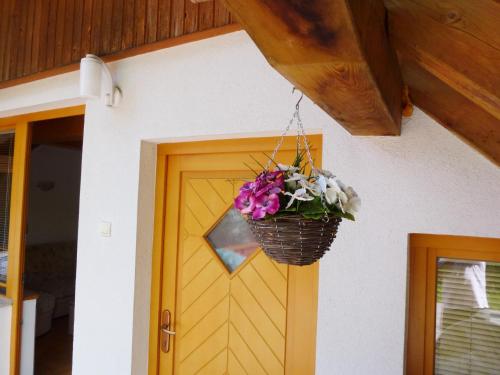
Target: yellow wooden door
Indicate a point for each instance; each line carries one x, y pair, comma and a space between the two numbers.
234, 310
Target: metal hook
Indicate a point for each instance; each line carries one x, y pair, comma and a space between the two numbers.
301, 96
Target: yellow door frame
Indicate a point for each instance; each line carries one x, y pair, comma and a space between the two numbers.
300, 351
20, 124
424, 251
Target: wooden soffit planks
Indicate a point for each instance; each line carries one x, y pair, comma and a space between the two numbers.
336, 51
40, 38
449, 52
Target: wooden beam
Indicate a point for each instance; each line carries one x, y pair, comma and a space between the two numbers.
336, 51
454, 111
450, 57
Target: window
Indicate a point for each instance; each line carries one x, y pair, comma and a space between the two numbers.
232, 240
454, 305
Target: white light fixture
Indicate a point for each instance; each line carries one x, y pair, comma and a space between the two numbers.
94, 77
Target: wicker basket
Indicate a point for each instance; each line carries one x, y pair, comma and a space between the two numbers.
293, 239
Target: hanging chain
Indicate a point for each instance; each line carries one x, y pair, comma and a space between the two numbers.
300, 128
280, 142
300, 133
314, 171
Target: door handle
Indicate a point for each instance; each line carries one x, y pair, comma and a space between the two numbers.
165, 331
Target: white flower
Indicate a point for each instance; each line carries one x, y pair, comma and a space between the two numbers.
296, 177
333, 183
350, 192
341, 185
287, 168
292, 182
325, 173
326, 185
300, 194
353, 205
354, 202
331, 195
342, 201
312, 188
322, 183
335, 193
332, 191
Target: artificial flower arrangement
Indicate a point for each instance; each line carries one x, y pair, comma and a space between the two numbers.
288, 190
293, 215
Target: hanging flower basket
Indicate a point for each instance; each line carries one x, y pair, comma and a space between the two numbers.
295, 215
294, 239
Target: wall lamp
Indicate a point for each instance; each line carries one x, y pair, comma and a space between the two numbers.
95, 78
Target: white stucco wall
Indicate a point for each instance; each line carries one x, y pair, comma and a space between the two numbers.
5, 319
427, 181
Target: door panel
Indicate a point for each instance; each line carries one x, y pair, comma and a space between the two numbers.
213, 305
229, 301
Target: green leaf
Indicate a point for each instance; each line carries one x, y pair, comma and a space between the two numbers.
272, 160
348, 216
257, 162
253, 170
344, 215
291, 186
313, 207
314, 216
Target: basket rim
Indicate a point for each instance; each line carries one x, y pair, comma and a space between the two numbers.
292, 216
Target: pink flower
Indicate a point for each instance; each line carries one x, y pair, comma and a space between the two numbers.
266, 204
245, 202
269, 182
247, 186
260, 197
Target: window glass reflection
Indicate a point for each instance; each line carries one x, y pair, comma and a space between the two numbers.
467, 317
232, 240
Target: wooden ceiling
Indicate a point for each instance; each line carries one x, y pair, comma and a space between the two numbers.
39, 38
449, 52
341, 53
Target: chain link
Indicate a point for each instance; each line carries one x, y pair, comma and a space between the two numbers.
280, 142
300, 127
300, 133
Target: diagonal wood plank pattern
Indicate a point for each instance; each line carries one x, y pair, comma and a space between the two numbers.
226, 323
